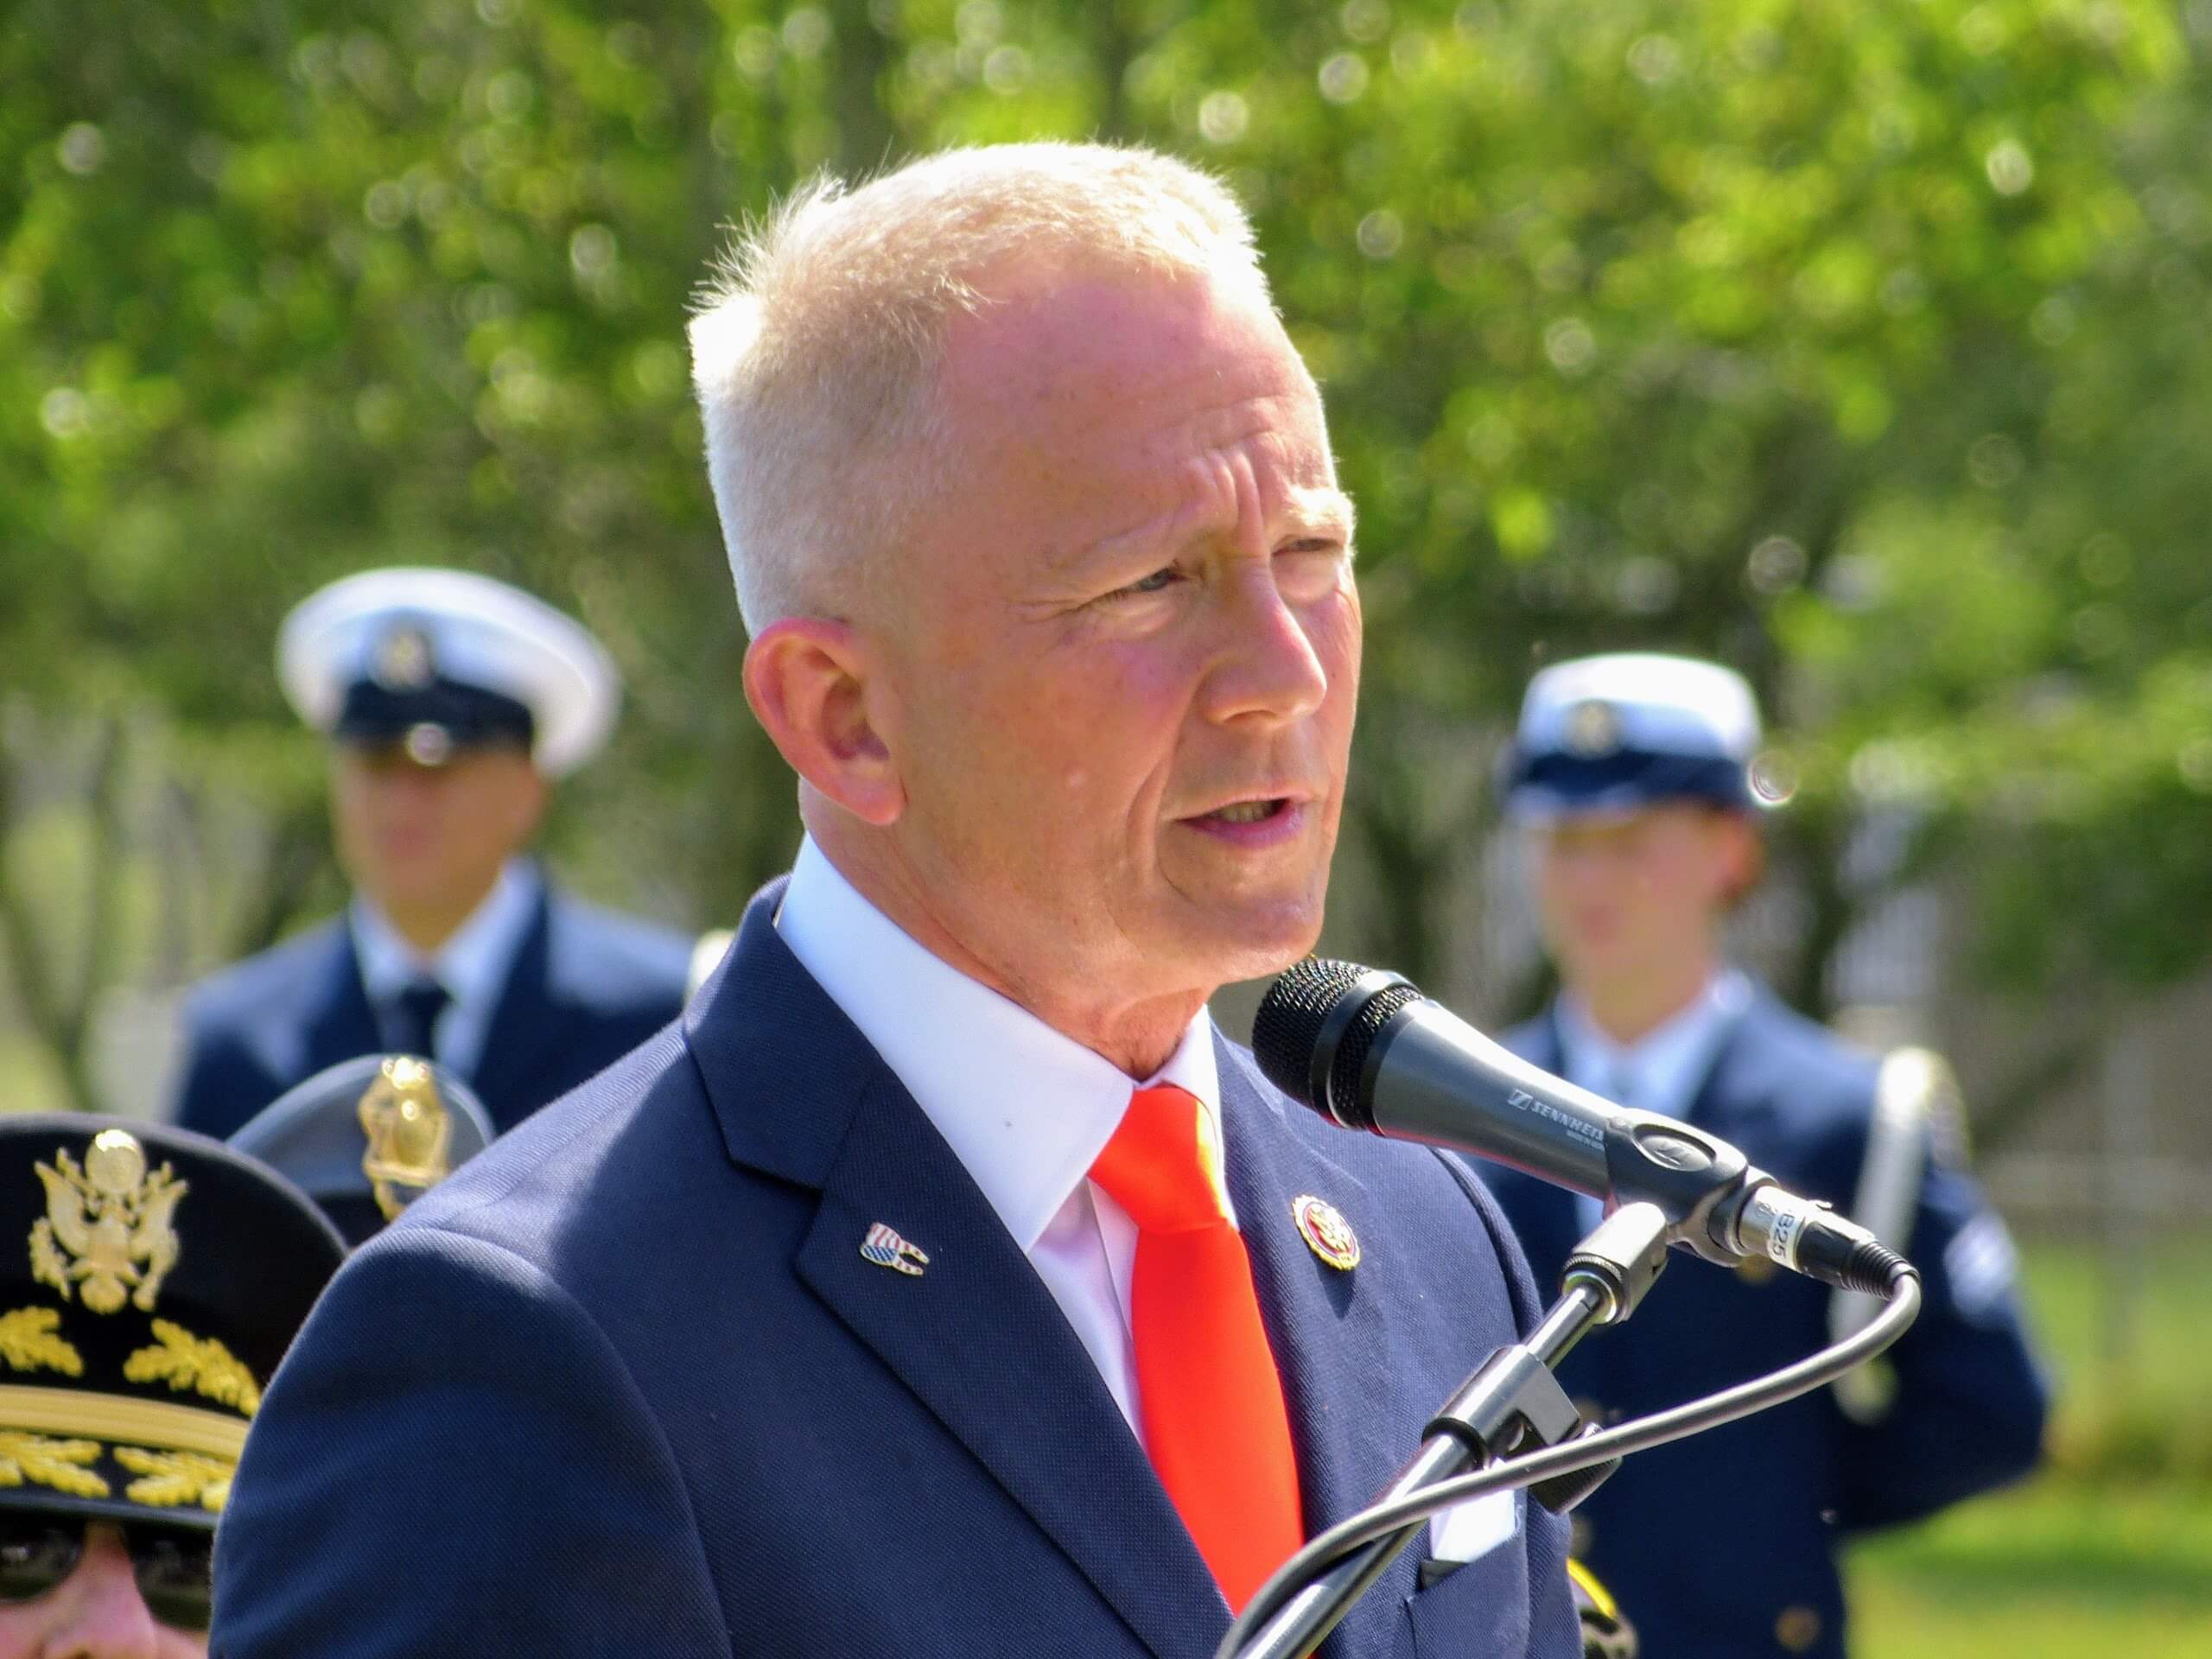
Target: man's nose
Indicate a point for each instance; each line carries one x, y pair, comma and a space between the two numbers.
1268, 667
409, 788
1587, 865
99, 1612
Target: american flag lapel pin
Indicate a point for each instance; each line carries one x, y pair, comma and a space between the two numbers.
887, 1249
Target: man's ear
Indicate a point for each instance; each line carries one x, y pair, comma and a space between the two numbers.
1744, 857
533, 794
808, 680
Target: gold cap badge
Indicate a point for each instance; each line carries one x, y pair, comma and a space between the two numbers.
1325, 1231
1593, 729
403, 659
427, 744
108, 1233
408, 1133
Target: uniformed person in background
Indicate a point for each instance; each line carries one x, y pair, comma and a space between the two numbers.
150, 1281
1631, 774
451, 700
366, 1137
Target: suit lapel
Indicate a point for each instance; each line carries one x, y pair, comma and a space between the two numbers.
975, 1337
515, 1043
1327, 1336
340, 1023
1729, 1074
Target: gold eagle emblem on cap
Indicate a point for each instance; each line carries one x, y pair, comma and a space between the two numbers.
408, 1132
403, 659
1593, 729
108, 1232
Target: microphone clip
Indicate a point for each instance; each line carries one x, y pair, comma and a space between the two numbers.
1622, 1259
1692, 1178
1513, 1404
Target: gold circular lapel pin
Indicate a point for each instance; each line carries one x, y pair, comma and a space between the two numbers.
1325, 1231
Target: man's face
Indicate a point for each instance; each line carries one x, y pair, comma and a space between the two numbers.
1622, 895
96, 1612
417, 838
1122, 674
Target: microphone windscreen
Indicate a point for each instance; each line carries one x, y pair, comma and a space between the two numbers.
1314, 1028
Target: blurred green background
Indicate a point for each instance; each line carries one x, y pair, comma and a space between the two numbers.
1868, 348
2108, 1553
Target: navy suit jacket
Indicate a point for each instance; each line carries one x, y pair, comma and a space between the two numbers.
586, 986
625, 1384
1715, 1544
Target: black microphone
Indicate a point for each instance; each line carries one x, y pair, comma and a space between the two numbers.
1365, 1049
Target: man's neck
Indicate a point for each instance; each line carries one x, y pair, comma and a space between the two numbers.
1630, 1008
1138, 1036
427, 926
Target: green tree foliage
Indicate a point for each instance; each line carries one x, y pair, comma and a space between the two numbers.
1866, 347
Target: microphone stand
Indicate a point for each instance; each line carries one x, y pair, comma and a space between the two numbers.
1510, 1404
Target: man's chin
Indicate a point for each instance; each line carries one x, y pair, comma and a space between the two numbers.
1249, 943
1599, 965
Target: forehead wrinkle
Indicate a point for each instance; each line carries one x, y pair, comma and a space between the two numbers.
1177, 525
1208, 499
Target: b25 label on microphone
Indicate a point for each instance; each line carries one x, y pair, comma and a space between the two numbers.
1782, 1238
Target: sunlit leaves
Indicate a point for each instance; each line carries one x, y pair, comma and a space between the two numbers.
1863, 344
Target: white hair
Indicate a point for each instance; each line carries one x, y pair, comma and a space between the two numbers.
815, 350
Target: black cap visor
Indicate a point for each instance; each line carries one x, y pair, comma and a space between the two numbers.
1555, 784
466, 716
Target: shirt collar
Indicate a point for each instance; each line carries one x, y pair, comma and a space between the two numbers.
1663, 1068
472, 964
1025, 1108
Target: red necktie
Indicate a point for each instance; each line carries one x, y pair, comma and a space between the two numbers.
1209, 1398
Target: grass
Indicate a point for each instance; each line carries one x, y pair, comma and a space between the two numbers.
2133, 1365
2109, 1555
2060, 1569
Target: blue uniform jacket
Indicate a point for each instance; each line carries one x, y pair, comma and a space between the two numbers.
626, 1385
586, 986
1723, 1546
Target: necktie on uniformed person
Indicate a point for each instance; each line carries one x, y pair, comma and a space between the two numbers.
1209, 1395
411, 1020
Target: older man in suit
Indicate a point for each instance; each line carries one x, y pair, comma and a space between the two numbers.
946, 1285
452, 702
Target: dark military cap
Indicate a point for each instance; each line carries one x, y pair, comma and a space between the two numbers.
367, 1136
150, 1279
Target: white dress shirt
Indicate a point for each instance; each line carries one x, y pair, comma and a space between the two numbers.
1024, 1109
1663, 1069
473, 965
1027, 1111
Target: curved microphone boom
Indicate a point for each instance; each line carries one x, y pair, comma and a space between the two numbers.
1365, 1048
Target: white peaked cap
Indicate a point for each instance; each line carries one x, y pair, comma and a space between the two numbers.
1673, 705
1615, 733
480, 633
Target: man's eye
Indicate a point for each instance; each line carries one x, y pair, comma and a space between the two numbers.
1159, 582
1308, 571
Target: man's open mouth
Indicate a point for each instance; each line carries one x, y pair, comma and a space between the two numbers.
1251, 811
